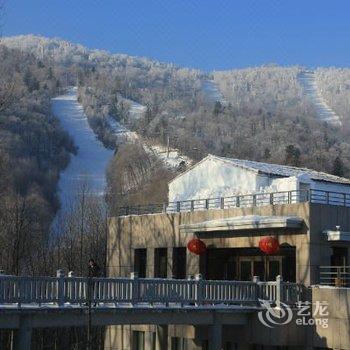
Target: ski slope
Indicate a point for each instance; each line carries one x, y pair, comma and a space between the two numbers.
86, 168
324, 112
212, 92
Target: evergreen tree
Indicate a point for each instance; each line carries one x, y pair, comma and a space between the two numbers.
217, 108
338, 167
292, 155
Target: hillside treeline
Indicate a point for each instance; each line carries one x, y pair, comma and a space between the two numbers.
266, 118
34, 149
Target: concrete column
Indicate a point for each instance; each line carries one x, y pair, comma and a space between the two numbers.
150, 263
23, 336
162, 337
149, 340
215, 340
192, 262
170, 262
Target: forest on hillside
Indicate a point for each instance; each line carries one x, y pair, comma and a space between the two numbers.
266, 118
34, 149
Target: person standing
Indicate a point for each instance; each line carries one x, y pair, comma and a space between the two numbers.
93, 272
94, 269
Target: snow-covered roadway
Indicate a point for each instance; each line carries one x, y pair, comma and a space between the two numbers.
324, 112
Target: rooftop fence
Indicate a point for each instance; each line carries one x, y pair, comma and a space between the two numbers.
241, 201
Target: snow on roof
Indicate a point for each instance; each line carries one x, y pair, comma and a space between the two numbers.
275, 169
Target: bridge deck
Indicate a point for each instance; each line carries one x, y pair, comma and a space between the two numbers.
45, 317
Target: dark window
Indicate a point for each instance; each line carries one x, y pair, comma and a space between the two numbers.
140, 262
138, 340
339, 256
178, 343
274, 270
179, 262
160, 263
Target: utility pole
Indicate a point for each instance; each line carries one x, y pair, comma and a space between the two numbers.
89, 328
168, 146
82, 229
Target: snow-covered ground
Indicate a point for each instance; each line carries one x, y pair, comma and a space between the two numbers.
136, 109
122, 133
325, 113
171, 158
212, 92
88, 166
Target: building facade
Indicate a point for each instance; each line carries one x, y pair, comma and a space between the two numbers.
308, 212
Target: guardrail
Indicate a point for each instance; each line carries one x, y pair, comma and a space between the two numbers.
241, 201
338, 276
195, 292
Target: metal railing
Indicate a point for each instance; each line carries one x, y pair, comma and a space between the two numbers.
241, 201
138, 291
338, 276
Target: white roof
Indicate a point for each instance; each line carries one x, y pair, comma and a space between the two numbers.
277, 170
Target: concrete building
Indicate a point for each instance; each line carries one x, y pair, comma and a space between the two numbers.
231, 204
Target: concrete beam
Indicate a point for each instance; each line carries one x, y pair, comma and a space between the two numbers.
104, 317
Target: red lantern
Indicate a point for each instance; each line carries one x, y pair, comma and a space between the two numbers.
196, 246
269, 245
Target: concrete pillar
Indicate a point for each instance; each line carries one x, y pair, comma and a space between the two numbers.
149, 339
192, 262
150, 263
215, 339
170, 262
162, 337
23, 336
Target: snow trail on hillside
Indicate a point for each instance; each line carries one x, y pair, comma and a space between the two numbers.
324, 112
212, 92
171, 157
88, 166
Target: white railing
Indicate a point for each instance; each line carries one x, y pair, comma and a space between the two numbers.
195, 292
241, 201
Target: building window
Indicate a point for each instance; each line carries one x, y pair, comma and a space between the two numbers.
178, 343
160, 263
179, 262
339, 256
138, 340
140, 262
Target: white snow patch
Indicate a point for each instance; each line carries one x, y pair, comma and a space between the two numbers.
325, 113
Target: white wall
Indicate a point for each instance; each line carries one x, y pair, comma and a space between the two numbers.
213, 178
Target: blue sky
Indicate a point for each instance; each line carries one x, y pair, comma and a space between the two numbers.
205, 34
